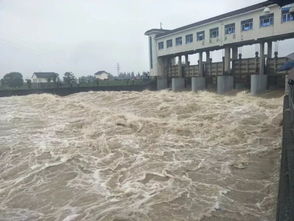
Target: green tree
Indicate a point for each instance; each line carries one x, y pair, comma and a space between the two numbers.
29, 83
87, 80
69, 79
13, 79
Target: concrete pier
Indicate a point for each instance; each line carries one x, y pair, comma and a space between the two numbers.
198, 83
162, 83
225, 84
258, 84
178, 84
200, 63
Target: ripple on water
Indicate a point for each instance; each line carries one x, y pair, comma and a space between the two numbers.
139, 156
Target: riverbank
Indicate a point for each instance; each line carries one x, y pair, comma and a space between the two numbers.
72, 90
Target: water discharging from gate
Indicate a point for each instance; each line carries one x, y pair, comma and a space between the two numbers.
139, 156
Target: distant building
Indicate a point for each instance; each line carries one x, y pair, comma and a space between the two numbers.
102, 75
44, 77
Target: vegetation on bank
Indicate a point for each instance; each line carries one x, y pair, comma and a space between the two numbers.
15, 81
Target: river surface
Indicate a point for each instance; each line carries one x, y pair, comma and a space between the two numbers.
120, 156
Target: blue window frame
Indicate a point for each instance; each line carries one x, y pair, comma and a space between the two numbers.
230, 29
214, 33
266, 20
160, 45
169, 43
287, 15
189, 38
200, 36
247, 25
179, 41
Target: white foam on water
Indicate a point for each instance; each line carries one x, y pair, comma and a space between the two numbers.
139, 156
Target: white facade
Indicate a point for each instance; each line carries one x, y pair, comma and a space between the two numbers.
102, 76
277, 31
35, 79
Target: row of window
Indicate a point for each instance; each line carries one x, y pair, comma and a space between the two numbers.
246, 25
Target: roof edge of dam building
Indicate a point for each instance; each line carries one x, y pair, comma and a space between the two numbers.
165, 32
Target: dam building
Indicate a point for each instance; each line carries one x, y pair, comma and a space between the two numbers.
261, 24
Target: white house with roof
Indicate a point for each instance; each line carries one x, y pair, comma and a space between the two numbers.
44, 77
102, 75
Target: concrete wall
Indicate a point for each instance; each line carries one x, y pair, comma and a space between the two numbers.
68, 91
286, 194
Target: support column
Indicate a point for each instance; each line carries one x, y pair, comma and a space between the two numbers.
225, 84
186, 59
227, 59
208, 63
161, 83
234, 58
261, 58
235, 53
198, 83
162, 70
259, 81
258, 84
187, 69
207, 56
173, 61
269, 49
178, 83
180, 66
200, 64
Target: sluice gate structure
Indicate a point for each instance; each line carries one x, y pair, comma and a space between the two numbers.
262, 24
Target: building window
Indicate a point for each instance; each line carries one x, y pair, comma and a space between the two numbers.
160, 45
179, 41
287, 15
200, 36
230, 29
247, 25
169, 43
266, 20
189, 39
214, 33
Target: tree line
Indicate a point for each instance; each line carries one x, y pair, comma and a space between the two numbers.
16, 80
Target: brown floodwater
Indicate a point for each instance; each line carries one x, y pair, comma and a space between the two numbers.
139, 156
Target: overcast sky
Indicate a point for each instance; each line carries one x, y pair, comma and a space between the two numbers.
85, 36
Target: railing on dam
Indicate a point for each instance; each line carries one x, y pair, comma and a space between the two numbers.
285, 206
239, 67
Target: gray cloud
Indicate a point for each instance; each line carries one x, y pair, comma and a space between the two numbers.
85, 36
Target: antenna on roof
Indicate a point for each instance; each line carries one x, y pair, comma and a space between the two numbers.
160, 25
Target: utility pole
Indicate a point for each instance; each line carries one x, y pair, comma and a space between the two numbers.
118, 69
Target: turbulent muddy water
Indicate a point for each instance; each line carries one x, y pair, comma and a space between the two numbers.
139, 156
